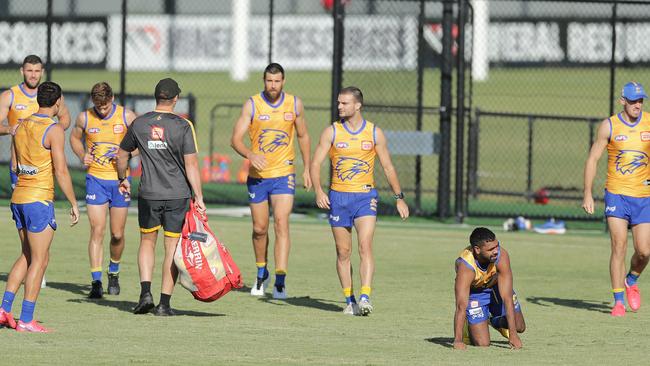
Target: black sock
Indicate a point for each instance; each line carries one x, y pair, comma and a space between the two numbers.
145, 287
164, 299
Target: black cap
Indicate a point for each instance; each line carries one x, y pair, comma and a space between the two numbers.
167, 89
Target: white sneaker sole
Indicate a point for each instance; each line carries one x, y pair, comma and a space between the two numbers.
279, 295
262, 289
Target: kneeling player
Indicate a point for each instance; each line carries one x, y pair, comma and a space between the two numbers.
480, 298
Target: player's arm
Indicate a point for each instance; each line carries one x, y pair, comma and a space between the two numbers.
63, 115
604, 130
464, 277
505, 290
5, 104
238, 132
76, 140
192, 170
55, 139
127, 145
303, 142
381, 148
324, 144
130, 117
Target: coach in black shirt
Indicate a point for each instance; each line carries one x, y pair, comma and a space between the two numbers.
170, 173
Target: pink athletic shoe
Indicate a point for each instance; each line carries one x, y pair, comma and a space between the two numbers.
7, 320
633, 296
32, 326
617, 310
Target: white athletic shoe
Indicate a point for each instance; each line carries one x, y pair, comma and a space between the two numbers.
280, 295
43, 283
259, 291
365, 307
351, 309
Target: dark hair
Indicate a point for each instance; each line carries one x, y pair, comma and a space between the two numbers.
101, 93
481, 235
274, 68
48, 93
33, 60
355, 92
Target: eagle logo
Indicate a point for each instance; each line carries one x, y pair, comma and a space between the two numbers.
104, 153
348, 168
628, 161
271, 140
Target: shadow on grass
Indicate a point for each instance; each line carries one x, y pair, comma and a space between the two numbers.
448, 342
597, 306
122, 305
305, 301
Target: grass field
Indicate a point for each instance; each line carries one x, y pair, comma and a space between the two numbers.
562, 282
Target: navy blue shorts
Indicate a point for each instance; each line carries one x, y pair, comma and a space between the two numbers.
34, 217
636, 210
486, 304
345, 207
259, 189
100, 191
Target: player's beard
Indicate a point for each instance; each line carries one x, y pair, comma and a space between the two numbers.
34, 86
273, 95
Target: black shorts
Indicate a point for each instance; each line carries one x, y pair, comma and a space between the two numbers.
168, 214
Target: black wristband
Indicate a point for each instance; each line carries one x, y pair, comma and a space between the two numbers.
399, 196
121, 179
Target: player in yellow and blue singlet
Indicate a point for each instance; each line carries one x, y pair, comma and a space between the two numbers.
38, 142
19, 102
352, 144
484, 293
271, 118
626, 136
96, 139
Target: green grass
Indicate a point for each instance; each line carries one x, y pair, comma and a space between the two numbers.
562, 282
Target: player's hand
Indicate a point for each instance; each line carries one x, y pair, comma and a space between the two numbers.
12, 129
74, 215
460, 345
322, 201
125, 187
403, 209
200, 206
306, 179
257, 161
588, 204
515, 342
88, 159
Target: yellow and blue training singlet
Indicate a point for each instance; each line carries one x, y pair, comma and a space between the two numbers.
103, 137
484, 278
271, 132
628, 156
353, 157
22, 104
34, 161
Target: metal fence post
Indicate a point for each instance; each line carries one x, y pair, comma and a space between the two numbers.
123, 56
444, 162
472, 155
418, 116
48, 20
337, 62
271, 15
460, 111
529, 176
612, 61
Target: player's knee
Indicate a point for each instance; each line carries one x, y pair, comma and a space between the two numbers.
482, 342
116, 237
521, 328
97, 231
365, 249
343, 254
260, 230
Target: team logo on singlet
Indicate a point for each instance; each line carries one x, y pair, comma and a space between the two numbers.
645, 135
21, 107
348, 168
629, 161
620, 138
104, 152
366, 145
271, 140
117, 129
93, 130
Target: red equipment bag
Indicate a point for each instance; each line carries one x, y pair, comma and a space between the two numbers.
205, 266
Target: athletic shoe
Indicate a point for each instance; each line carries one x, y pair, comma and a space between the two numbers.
260, 285
32, 326
144, 305
551, 227
505, 332
43, 283
7, 319
365, 307
351, 309
113, 284
618, 309
633, 296
163, 310
97, 291
279, 292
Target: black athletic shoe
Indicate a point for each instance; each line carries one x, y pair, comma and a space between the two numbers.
163, 310
113, 284
97, 291
144, 305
